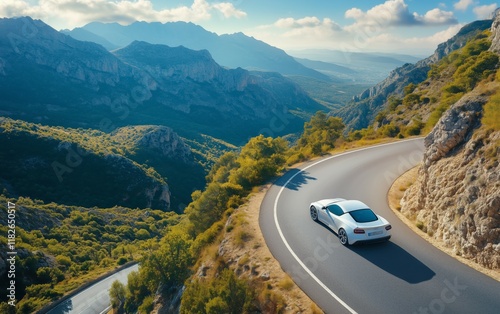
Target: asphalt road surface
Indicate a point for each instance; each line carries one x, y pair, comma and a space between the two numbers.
404, 275
94, 299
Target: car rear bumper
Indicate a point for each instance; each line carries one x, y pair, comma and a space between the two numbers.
364, 241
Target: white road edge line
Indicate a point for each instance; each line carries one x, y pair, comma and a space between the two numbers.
351, 310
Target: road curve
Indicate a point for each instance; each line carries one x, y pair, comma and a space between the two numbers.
404, 275
95, 299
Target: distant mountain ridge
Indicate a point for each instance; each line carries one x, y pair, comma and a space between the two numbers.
362, 111
365, 67
229, 50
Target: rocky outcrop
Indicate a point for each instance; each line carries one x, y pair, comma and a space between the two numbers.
453, 129
179, 63
456, 197
191, 79
495, 31
160, 140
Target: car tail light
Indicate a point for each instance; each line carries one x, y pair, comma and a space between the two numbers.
358, 230
389, 227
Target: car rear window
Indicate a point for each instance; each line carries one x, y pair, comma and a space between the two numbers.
363, 215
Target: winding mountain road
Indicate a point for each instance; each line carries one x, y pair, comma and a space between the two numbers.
404, 275
94, 299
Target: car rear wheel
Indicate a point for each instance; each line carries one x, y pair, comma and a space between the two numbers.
343, 237
314, 213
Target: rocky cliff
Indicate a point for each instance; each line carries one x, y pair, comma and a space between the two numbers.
191, 79
34, 42
495, 29
456, 198
160, 140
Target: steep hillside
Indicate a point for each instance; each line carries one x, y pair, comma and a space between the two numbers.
365, 107
456, 198
163, 150
49, 77
75, 167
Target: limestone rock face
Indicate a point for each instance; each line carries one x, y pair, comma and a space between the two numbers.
495, 30
457, 193
453, 128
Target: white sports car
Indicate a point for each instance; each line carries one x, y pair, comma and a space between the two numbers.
353, 221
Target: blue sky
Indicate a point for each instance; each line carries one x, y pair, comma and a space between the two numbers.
402, 26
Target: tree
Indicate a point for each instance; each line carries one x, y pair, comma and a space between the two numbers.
260, 159
137, 291
320, 134
170, 264
117, 295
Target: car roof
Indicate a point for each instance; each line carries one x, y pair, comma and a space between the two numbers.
351, 205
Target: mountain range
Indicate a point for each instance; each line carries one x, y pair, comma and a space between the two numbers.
228, 50
50, 77
355, 66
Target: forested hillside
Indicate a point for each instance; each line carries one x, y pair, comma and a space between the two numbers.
134, 167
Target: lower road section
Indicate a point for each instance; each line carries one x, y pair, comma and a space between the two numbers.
94, 299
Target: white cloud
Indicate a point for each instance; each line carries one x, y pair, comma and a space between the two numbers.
437, 17
463, 5
80, 12
396, 13
435, 39
307, 22
484, 11
312, 32
228, 10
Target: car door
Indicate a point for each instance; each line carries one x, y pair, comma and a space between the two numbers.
333, 212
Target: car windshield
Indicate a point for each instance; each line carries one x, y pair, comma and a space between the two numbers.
363, 215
